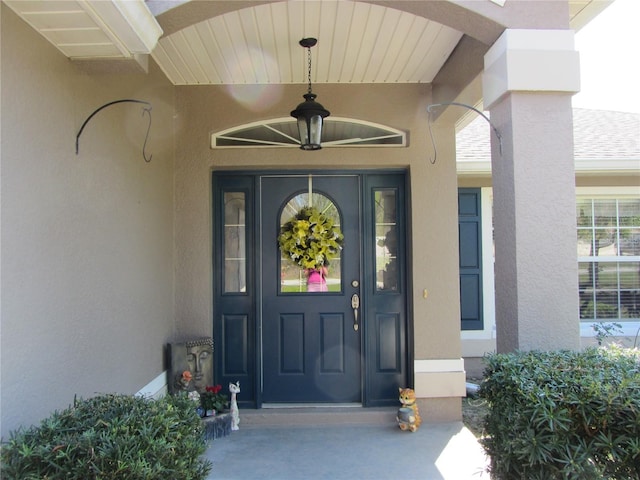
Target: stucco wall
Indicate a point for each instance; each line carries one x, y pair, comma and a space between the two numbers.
87, 244
202, 110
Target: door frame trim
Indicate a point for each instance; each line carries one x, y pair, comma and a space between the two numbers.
255, 242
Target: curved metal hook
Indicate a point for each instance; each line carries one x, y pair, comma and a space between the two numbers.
434, 105
147, 110
144, 146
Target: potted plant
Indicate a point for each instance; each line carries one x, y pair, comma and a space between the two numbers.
212, 400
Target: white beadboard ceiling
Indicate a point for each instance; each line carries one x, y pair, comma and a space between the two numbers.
92, 28
358, 42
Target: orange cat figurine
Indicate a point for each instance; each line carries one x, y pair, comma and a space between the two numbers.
408, 415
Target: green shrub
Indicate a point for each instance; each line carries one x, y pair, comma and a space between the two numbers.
563, 415
111, 437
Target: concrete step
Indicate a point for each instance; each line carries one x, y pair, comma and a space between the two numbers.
316, 416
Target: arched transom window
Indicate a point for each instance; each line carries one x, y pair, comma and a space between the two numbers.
283, 132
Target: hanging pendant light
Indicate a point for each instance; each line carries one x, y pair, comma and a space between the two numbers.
310, 113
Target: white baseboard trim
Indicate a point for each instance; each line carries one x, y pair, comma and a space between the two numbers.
439, 365
156, 388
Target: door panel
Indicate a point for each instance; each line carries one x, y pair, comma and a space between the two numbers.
236, 352
389, 347
311, 352
291, 348
332, 328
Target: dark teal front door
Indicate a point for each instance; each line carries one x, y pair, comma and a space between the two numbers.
311, 340
285, 343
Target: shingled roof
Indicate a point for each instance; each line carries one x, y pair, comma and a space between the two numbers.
604, 141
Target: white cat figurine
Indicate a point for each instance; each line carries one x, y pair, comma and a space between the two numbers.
235, 415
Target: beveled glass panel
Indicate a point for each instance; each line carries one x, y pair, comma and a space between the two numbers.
235, 243
302, 129
294, 279
315, 130
386, 241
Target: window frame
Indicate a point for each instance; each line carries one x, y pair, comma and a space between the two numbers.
630, 326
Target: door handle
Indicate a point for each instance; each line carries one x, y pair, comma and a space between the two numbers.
355, 304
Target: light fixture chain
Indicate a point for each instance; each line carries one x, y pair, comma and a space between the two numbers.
309, 65
309, 114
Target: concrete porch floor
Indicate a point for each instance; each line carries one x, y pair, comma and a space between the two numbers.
351, 447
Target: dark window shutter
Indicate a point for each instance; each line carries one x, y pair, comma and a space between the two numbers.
470, 253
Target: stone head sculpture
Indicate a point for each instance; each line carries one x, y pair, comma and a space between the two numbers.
191, 365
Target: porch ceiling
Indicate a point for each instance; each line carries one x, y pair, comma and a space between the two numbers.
89, 29
256, 42
357, 43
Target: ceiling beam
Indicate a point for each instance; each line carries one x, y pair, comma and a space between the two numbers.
459, 80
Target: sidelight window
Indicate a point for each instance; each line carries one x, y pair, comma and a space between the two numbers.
386, 218
235, 242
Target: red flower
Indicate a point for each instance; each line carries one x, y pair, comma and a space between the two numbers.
214, 389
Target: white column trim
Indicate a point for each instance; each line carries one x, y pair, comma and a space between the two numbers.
439, 365
529, 61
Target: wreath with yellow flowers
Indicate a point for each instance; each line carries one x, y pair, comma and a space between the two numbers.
310, 239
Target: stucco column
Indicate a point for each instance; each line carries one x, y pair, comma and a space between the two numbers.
530, 76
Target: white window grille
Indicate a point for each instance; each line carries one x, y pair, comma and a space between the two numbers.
608, 258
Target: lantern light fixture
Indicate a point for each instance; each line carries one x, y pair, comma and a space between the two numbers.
310, 114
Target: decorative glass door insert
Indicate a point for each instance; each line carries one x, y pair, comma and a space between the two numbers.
295, 279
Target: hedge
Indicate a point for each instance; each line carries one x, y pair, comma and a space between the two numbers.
563, 414
111, 437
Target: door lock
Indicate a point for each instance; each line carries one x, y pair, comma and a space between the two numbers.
355, 304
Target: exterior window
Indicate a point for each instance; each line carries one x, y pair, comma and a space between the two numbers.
386, 239
609, 258
235, 243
